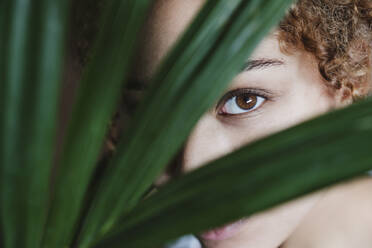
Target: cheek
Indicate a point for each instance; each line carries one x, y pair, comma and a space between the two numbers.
208, 141
272, 227
213, 138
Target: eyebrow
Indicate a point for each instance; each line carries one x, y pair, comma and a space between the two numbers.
253, 64
260, 64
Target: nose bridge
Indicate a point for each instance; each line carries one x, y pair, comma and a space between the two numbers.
208, 141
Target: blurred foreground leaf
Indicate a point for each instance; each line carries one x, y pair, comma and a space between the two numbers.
98, 94
31, 47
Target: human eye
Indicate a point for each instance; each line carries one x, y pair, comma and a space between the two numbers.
241, 101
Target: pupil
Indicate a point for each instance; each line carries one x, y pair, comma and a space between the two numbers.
246, 101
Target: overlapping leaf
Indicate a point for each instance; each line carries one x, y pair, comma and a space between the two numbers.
31, 48
98, 94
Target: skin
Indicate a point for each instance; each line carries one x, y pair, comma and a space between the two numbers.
291, 90
342, 219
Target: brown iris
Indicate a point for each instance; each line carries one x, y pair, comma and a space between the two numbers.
246, 101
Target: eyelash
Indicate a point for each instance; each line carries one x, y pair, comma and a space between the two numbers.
260, 93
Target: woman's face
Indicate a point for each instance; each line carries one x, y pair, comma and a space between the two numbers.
274, 92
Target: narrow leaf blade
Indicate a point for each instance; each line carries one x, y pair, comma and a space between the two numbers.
31, 49
98, 94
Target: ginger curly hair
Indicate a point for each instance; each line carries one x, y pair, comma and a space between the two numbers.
338, 33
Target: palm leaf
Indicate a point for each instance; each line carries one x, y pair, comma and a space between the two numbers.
98, 94
32, 36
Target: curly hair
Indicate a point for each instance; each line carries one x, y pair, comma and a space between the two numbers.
339, 35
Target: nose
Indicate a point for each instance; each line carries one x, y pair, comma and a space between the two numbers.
208, 141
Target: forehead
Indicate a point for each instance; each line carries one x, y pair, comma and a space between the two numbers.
166, 22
